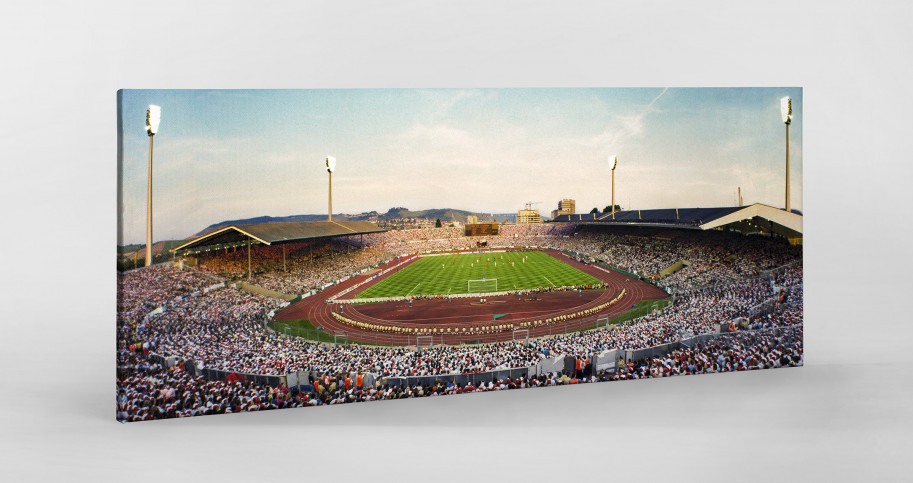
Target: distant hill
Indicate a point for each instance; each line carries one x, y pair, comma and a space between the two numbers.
443, 214
446, 214
134, 255
127, 251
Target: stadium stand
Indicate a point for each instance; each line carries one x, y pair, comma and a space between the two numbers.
756, 218
191, 343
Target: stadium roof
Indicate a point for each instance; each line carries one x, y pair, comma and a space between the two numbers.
269, 233
752, 218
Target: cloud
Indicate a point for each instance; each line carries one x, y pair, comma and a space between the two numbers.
622, 129
466, 149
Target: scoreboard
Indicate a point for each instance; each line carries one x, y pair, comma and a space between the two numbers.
482, 229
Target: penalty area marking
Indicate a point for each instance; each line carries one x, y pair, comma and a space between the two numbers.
413, 288
549, 281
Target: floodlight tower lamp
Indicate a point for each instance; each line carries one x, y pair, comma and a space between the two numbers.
331, 166
153, 117
786, 114
613, 162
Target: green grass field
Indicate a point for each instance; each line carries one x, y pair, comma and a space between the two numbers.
305, 329
450, 273
644, 307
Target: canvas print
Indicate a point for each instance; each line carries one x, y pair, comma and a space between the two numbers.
294, 248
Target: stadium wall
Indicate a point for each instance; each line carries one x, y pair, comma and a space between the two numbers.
475, 377
606, 265
606, 360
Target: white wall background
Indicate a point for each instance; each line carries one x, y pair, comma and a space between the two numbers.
845, 416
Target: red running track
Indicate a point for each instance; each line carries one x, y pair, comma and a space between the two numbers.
466, 312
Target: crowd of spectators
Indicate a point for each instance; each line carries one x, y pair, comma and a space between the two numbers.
395, 237
535, 230
320, 272
145, 289
151, 392
297, 268
713, 256
224, 328
739, 351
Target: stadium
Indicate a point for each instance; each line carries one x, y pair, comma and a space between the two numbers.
255, 316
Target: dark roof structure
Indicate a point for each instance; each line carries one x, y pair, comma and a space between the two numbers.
664, 216
270, 233
576, 218
752, 218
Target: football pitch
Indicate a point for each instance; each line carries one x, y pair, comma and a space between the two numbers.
489, 272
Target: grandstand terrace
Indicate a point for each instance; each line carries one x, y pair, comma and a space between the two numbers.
185, 349
221, 330
269, 234
710, 256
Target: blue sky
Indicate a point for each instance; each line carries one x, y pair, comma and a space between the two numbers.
229, 154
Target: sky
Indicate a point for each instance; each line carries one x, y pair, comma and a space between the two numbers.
231, 154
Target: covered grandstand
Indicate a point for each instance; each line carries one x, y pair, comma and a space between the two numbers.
756, 218
269, 233
275, 233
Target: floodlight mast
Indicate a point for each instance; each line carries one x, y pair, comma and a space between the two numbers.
786, 113
331, 166
153, 117
613, 161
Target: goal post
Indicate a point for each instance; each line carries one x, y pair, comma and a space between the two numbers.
340, 338
482, 286
423, 342
602, 321
521, 335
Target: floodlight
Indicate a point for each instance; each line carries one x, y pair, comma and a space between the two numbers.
153, 116
613, 162
786, 109
331, 164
